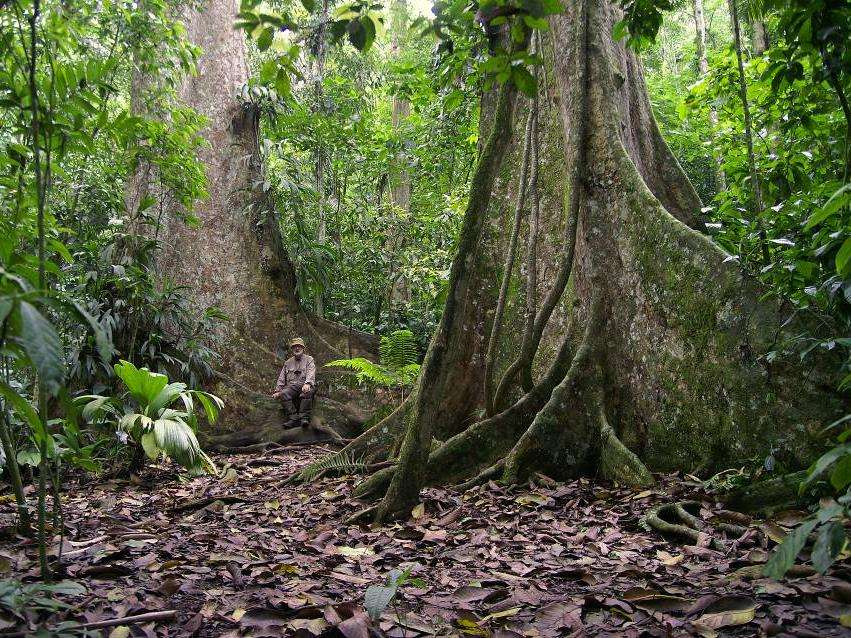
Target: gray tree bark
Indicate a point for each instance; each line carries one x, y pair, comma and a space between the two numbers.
759, 37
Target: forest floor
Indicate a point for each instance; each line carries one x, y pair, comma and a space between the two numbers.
246, 555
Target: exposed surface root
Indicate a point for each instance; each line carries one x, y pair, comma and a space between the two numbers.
370, 448
769, 495
618, 462
362, 516
375, 484
673, 519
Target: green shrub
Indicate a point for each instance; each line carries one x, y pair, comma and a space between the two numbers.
146, 414
831, 516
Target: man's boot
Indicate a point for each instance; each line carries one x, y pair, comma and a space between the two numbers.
289, 410
306, 408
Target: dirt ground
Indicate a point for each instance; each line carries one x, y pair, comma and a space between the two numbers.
247, 555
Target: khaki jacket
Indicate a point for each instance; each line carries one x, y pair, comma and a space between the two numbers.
297, 372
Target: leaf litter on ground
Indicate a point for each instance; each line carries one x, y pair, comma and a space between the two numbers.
247, 555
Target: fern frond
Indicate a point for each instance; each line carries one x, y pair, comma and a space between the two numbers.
398, 349
339, 461
408, 374
367, 371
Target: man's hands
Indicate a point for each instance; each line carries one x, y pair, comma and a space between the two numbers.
305, 389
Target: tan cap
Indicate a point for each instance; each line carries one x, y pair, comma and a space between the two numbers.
298, 341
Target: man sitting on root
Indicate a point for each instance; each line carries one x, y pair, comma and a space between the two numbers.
297, 383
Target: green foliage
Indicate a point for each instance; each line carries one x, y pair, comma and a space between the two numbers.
379, 597
798, 244
359, 21
30, 342
18, 598
829, 519
63, 170
145, 413
381, 265
398, 349
341, 462
642, 21
366, 371
784, 556
398, 365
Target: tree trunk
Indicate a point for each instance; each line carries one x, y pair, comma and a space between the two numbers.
400, 177
756, 187
759, 37
653, 355
321, 232
703, 67
236, 259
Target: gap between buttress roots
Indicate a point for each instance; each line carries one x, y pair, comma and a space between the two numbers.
508, 268
536, 323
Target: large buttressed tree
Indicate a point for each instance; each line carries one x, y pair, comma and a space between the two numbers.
234, 259
625, 338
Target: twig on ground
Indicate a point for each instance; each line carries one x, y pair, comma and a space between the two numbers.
277, 447
152, 616
203, 502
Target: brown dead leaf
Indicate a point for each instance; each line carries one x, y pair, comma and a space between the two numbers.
668, 559
355, 627
728, 611
532, 499
315, 626
472, 594
353, 552
651, 600
557, 615
434, 535
263, 618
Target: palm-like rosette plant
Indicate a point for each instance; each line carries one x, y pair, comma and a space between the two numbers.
146, 413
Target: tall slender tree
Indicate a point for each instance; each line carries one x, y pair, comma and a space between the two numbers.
756, 187
321, 160
400, 176
703, 68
